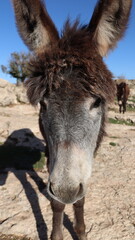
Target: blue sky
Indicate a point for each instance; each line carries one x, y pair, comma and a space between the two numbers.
121, 61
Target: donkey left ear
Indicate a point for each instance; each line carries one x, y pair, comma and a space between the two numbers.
108, 23
34, 24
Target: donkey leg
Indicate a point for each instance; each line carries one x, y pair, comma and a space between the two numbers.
57, 223
124, 107
79, 225
120, 108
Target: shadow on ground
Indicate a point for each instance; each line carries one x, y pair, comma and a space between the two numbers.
24, 151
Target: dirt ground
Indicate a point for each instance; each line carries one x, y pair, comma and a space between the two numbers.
110, 201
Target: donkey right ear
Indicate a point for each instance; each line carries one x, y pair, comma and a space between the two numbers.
34, 24
108, 23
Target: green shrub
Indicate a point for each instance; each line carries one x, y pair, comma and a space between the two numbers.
113, 144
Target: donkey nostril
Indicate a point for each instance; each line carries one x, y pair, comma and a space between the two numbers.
51, 189
80, 189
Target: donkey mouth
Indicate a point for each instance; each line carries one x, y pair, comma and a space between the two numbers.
66, 196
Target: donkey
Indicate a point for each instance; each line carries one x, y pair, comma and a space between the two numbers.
123, 92
73, 87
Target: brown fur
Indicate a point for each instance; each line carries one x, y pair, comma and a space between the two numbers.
123, 92
70, 57
108, 23
34, 20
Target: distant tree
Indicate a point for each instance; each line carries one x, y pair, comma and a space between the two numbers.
18, 66
121, 77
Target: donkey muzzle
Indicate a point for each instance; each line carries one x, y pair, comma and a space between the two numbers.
66, 194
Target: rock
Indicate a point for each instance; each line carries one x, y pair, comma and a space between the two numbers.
7, 98
11, 94
3, 83
7, 93
21, 96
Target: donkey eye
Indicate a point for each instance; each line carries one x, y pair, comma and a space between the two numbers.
97, 103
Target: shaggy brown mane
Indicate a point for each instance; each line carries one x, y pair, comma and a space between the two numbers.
69, 62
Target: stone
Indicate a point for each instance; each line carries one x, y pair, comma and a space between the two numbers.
11, 94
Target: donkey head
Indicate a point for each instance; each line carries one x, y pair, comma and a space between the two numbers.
73, 86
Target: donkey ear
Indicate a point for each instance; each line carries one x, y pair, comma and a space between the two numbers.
34, 24
108, 23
